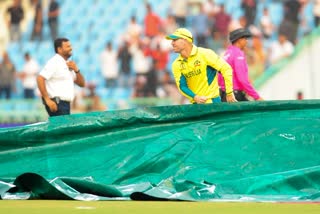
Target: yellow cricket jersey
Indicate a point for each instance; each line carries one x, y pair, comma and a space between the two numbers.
197, 75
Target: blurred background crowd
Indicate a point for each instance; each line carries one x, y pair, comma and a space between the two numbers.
120, 45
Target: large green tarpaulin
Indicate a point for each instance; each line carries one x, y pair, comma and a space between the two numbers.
249, 151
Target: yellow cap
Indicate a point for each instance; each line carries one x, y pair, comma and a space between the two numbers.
181, 33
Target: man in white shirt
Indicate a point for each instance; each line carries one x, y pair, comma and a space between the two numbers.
109, 66
57, 78
28, 76
280, 49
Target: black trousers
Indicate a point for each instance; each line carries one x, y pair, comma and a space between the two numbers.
239, 95
63, 107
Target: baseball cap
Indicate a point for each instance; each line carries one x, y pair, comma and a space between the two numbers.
239, 33
181, 33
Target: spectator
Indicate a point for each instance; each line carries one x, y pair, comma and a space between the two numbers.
210, 8
250, 11
304, 27
290, 23
316, 12
169, 89
141, 65
152, 23
200, 23
266, 24
109, 66
257, 57
37, 21
169, 24
299, 95
179, 11
222, 21
16, 14
152, 81
280, 49
161, 59
53, 15
134, 31
92, 102
237, 23
28, 76
7, 76
139, 89
161, 41
124, 57
217, 43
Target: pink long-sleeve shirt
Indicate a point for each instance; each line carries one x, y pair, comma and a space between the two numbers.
237, 60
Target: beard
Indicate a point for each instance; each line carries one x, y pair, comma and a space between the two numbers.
67, 55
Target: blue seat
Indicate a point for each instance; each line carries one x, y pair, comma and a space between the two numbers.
122, 93
31, 47
276, 12
13, 49
103, 93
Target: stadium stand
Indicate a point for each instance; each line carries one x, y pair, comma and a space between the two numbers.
100, 21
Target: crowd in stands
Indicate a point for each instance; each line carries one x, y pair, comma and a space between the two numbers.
15, 14
141, 59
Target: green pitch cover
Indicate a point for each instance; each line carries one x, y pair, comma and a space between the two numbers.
246, 151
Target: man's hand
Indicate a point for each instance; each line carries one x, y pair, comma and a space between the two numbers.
52, 105
230, 98
200, 99
72, 66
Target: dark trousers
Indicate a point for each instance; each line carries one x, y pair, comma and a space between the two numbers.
111, 82
239, 95
53, 29
28, 93
202, 40
63, 108
317, 20
6, 90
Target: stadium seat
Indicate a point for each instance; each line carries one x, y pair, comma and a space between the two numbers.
276, 12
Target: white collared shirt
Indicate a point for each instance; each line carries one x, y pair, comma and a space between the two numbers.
109, 65
31, 68
59, 79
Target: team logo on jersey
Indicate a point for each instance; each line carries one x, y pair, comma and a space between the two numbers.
182, 66
197, 63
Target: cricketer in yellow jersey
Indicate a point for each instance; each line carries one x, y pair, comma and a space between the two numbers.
195, 70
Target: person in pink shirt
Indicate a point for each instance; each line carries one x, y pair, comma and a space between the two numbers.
235, 56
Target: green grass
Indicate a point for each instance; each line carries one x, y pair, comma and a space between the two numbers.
141, 207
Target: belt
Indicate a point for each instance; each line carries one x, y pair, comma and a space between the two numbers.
238, 91
58, 100
234, 91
